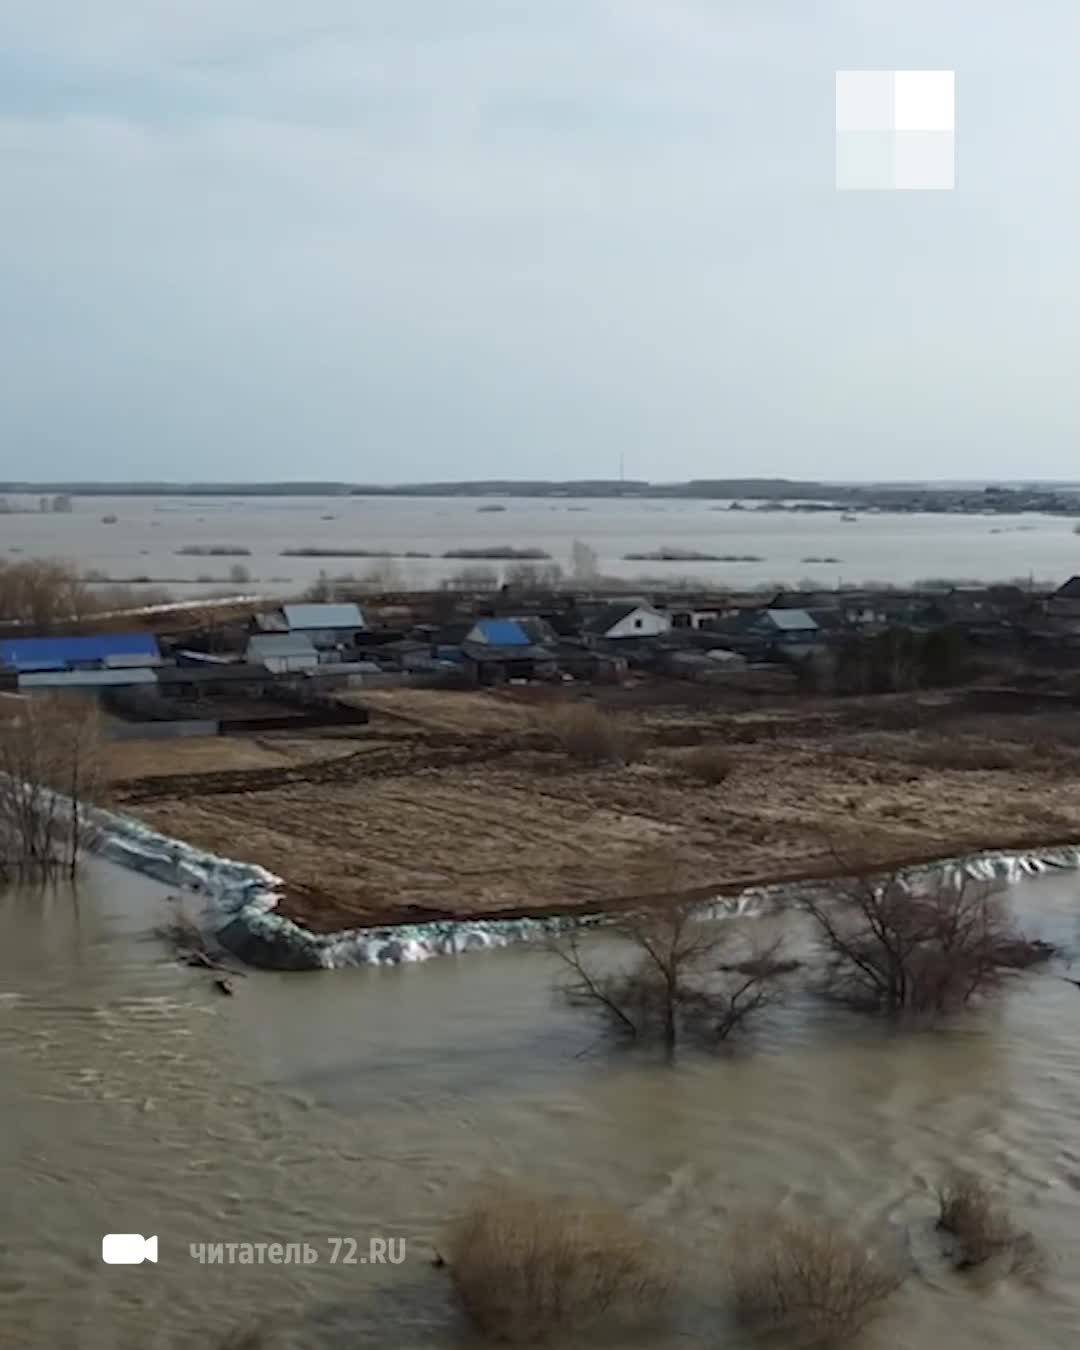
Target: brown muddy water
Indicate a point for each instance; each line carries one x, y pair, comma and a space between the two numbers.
351, 1104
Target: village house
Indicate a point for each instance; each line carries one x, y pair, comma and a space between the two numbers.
903, 608
507, 632
982, 604
92, 662
781, 626
492, 650
328, 627
691, 617
852, 609
1064, 604
627, 619
282, 653
489, 664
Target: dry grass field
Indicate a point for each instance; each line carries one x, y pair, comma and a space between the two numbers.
468, 803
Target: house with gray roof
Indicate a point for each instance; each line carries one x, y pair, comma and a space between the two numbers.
327, 626
282, 653
780, 625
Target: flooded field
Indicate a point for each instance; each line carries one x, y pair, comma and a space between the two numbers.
134, 1098
124, 538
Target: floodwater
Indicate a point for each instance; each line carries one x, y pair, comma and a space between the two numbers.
356, 1104
147, 533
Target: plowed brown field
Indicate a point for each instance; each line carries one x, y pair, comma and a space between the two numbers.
452, 804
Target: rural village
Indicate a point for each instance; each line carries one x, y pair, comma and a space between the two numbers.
399, 758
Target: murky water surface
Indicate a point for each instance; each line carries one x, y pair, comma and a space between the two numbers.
147, 536
134, 1098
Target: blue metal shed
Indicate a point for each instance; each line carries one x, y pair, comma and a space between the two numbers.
65, 653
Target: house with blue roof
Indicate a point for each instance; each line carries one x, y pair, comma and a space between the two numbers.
499, 633
498, 649
99, 651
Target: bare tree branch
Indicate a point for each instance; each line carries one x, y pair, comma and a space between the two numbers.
49, 771
682, 978
928, 945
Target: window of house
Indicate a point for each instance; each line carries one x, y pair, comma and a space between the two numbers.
637, 623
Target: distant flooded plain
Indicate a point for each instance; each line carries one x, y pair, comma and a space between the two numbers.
135, 1098
142, 537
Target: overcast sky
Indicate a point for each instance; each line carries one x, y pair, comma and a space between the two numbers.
421, 239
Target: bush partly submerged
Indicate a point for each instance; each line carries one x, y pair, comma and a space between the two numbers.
981, 1230
808, 1281
709, 764
529, 1266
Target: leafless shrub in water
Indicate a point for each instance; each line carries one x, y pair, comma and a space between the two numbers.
983, 1230
591, 736
528, 1266
926, 947
690, 973
807, 1281
710, 764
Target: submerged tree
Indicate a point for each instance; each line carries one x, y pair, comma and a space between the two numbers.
50, 772
932, 945
689, 972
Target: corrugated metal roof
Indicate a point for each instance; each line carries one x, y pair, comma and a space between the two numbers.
52, 653
499, 632
323, 616
128, 661
85, 679
791, 618
280, 644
